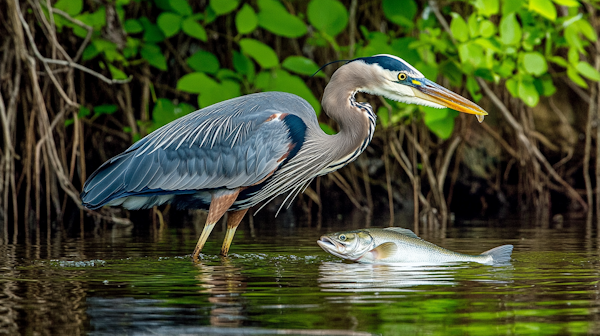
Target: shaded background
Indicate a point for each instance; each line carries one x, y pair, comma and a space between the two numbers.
82, 80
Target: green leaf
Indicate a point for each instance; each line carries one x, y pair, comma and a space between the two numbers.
459, 28
528, 93
400, 12
512, 85
152, 33
567, 3
328, 16
275, 18
90, 52
587, 30
573, 56
440, 121
575, 43
246, 20
473, 23
588, 71
487, 29
548, 88
154, 56
487, 7
224, 74
534, 63
196, 82
226, 90
181, 7
511, 6
574, 76
105, 109
71, 7
132, 26
83, 111
260, 52
165, 111
116, 72
506, 68
222, 7
192, 28
510, 30
474, 89
169, 23
281, 80
243, 64
471, 53
401, 48
543, 7
204, 61
558, 60
301, 65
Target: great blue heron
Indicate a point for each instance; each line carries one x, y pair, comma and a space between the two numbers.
240, 152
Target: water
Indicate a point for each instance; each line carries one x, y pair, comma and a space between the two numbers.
140, 281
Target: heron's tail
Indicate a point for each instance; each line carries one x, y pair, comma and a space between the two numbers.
106, 183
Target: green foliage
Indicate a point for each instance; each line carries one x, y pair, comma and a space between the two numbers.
302, 65
104, 109
275, 18
246, 20
204, 61
328, 16
523, 45
264, 55
400, 12
222, 7
165, 111
71, 7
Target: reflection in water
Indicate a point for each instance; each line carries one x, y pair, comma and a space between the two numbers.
343, 277
225, 284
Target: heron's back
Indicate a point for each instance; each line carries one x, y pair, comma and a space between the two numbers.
238, 143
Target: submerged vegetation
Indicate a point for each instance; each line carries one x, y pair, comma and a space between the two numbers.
82, 80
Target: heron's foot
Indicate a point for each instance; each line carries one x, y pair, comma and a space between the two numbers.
202, 240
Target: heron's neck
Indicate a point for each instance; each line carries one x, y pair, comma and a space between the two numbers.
355, 119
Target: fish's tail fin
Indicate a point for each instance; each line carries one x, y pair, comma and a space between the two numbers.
500, 254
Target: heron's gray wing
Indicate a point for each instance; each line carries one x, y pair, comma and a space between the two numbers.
232, 144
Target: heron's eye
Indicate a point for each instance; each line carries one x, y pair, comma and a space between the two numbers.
342, 237
402, 76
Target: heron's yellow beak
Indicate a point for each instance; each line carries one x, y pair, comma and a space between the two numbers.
432, 92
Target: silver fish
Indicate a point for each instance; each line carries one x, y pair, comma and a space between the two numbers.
398, 245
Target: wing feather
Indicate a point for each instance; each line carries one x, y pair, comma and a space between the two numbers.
227, 145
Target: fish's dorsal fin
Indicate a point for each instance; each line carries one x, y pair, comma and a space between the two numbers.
403, 231
384, 250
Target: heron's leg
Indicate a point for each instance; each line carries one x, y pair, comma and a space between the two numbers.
234, 219
219, 204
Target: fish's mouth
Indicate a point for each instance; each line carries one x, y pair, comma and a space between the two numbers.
331, 246
327, 244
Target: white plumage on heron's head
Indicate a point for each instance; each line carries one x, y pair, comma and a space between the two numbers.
393, 78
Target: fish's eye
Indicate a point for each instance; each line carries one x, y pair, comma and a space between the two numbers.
342, 237
402, 76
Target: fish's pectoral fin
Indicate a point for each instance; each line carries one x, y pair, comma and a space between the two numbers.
384, 250
403, 231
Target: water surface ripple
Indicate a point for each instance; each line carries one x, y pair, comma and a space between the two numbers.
140, 281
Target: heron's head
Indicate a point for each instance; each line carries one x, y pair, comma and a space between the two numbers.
393, 78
